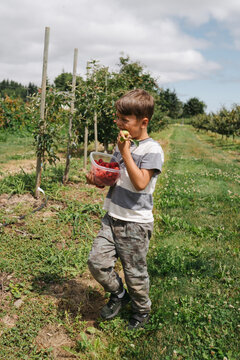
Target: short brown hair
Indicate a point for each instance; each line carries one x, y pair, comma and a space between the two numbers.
136, 102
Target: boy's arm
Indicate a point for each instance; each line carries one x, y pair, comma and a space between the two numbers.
139, 177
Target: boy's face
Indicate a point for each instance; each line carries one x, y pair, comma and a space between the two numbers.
132, 124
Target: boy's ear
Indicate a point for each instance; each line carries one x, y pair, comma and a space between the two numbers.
145, 122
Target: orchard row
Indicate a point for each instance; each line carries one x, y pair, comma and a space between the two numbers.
224, 122
94, 110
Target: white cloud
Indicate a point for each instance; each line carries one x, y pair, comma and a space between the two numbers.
149, 32
182, 65
196, 12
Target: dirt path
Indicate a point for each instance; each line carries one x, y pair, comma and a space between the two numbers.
15, 166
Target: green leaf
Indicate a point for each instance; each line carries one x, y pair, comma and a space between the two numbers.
91, 330
136, 142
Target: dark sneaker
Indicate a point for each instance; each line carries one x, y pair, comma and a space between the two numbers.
114, 305
138, 321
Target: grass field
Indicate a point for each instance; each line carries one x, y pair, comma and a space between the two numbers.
49, 302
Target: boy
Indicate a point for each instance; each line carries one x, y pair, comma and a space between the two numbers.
127, 226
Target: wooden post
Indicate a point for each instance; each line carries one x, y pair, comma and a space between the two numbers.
42, 111
106, 81
69, 149
85, 146
105, 144
86, 133
95, 131
95, 124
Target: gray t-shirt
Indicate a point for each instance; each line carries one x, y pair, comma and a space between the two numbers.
123, 201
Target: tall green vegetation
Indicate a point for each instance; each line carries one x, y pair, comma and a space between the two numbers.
224, 122
99, 92
63, 82
13, 115
14, 99
96, 93
50, 134
169, 103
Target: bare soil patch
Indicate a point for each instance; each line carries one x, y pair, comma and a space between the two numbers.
11, 205
55, 337
5, 295
16, 166
73, 192
9, 321
79, 296
28, 205
11, 201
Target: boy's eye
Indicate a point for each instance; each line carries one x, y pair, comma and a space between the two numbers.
121, 119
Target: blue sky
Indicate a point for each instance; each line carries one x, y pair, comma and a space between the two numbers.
221, 88
191, 47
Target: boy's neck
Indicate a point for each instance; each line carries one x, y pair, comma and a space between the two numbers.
144, 135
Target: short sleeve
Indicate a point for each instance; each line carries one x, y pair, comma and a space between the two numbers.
153, 160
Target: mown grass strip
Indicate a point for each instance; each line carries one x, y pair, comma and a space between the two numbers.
194, 261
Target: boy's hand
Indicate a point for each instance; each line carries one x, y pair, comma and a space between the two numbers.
123, 142
90, 178
139, 177
124, 135
92, 181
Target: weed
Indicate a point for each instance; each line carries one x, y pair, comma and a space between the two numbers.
17, 184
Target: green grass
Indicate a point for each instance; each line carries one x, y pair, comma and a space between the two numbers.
193, 262
227, 144
15, 147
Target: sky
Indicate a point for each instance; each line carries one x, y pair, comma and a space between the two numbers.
191, 47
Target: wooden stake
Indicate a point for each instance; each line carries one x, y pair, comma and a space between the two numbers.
95, 124
69, 149
86, 134
42, 111
95, 131
85, 146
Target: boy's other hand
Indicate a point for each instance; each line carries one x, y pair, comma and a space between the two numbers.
90, 178
92, 181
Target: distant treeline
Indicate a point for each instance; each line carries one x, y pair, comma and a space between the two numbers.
15, 90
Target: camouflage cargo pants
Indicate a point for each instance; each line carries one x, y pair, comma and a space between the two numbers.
129, 241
